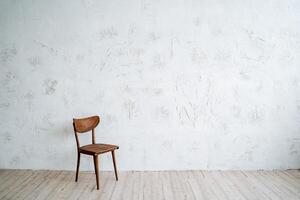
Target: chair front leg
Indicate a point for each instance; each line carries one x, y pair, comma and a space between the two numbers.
115, 165
96, 169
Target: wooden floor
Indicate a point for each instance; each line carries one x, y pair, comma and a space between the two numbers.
173, 185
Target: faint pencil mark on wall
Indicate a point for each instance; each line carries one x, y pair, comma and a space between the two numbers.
130, 106
28, 97
50, 49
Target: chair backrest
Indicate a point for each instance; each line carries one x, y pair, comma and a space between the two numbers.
84, 125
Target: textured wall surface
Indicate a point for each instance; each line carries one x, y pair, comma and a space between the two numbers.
179, 84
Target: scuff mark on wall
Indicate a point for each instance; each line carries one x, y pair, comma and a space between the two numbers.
15, 162
4, 105
7, 137
7, 54
50, 86
108, 33
158, 61
28, 97
257, 114
153, 37
198, 56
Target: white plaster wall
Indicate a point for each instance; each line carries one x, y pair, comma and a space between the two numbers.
179, 84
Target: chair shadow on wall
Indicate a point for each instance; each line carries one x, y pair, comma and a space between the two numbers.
94, 149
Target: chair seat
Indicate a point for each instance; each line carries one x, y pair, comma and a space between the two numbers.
97, 148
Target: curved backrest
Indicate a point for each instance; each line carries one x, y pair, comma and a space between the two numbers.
86, 124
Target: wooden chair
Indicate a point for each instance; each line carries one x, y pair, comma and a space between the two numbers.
89, 124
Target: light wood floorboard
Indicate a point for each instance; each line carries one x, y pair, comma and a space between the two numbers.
152, 185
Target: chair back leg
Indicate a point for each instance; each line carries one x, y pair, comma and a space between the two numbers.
77, 168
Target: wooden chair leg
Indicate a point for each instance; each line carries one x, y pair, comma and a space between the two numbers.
115, 165
96, 170
77, 168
